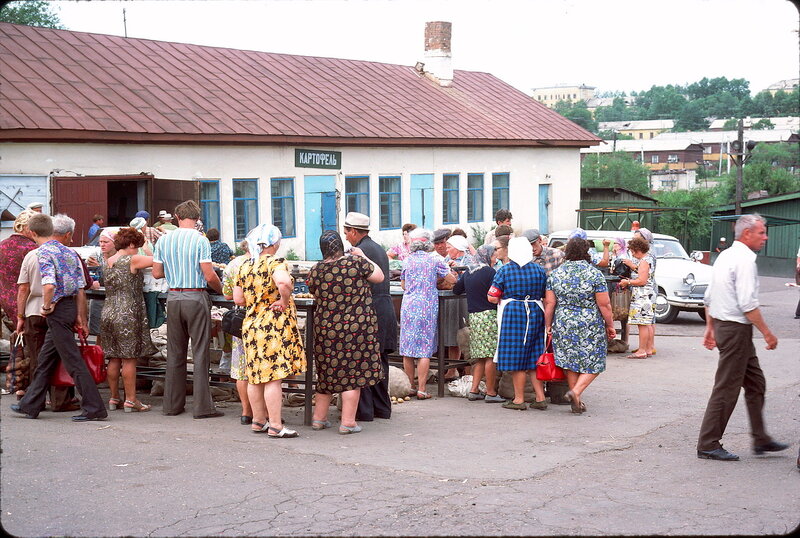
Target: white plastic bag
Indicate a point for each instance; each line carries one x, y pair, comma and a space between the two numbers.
461, 386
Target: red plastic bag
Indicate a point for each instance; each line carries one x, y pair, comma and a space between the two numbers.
94, 358
546, 369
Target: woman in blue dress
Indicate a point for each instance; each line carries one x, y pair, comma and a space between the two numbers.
577, 312
418, 314
518, 287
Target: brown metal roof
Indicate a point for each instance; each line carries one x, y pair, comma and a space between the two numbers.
62, 85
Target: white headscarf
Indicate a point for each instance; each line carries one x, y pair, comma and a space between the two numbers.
263, 235
520, 250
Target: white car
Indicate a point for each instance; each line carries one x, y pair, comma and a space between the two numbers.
681, 280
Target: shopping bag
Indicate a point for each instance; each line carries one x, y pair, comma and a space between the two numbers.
94, 358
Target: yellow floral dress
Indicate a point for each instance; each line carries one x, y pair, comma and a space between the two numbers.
272, 343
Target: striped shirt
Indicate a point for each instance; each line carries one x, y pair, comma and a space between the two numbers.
181, 252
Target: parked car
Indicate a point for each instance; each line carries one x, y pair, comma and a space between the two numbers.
681, 279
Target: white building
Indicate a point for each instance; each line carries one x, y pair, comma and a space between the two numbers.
111, 125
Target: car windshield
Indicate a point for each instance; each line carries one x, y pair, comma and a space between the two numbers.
668, 248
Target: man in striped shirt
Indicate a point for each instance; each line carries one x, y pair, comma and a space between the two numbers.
183, 257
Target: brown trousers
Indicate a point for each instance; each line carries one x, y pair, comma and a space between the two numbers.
188, 318
738, 368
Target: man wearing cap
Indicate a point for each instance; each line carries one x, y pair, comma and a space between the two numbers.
440, 238
722, 245
548, 258
374, 401
183, 257
97, 223
36, 206
165, 221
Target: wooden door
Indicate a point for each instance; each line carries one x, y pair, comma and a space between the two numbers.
80, 198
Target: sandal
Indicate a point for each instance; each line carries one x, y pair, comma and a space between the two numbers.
576, 406
138, 406
114, 404
284, 433
262, 428
511, 405
320, 424
635, 356
423, 395
346, 430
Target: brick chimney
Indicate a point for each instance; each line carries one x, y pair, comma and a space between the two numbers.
438, 60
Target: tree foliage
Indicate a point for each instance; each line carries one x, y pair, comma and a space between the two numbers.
774, 168
617, 169
578, 113
693, 225
31, 13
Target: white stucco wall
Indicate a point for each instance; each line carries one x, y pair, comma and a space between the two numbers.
527, 168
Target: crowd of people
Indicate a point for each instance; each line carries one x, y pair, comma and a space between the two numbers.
515, 294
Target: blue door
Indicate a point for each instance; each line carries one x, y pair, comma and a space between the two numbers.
320, 211
544, 209
422, 200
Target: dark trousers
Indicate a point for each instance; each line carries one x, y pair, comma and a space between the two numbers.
374, 401
34, 333
189, 318
60, 342
738, 368
797, 310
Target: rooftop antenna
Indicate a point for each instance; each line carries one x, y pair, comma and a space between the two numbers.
124, 22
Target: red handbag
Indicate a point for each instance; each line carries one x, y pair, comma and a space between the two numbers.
546, 369
94, 358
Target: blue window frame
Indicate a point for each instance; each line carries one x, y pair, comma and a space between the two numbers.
475, 197
245, 206
209, 203
450, 198
356, 197
499, 191
282, 193
389, 197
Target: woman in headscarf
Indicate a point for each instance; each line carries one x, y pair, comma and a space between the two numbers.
272, 343
475, 282
420, 309
519, 287
346, 349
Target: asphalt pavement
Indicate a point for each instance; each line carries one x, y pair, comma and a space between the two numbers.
444, 466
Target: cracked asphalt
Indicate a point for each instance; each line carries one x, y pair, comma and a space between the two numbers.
444, 466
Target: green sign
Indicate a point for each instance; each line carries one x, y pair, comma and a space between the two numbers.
315, 158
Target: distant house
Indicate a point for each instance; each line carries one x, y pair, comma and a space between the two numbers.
550, 95
113, 125
638, 129
787, 85
679, 154
780, 123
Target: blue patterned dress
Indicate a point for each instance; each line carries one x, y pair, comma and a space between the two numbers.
579, 332
521, 337
420, 304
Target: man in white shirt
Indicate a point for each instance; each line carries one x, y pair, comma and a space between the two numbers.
732, 309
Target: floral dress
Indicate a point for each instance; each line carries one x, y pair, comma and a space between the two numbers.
238, 361
420, 308
642, 310
579, 334
346, 349
124, 329
272, 344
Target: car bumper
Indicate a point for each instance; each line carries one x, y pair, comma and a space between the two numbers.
689, 299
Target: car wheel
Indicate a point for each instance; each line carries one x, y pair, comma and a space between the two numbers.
665, 312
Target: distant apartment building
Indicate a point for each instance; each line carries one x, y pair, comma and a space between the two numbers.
638, 129
787, 85
550, 95
679, 154
780, 123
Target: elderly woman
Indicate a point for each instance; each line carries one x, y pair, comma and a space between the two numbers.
420, 308
475, 282
346, 349
123, 323
642, 310
220, 251
577, 313
272, 344
519, 287
238, 370
402, 250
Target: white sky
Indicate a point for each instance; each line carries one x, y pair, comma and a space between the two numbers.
627, 45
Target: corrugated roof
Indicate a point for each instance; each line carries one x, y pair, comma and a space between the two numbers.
717, 137
652, 144
57, 85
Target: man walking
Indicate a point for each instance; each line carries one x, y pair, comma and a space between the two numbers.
732, 309
63, 306
374, 401
183, 257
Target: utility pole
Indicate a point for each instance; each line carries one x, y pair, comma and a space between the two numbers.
739, 160
124, 22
